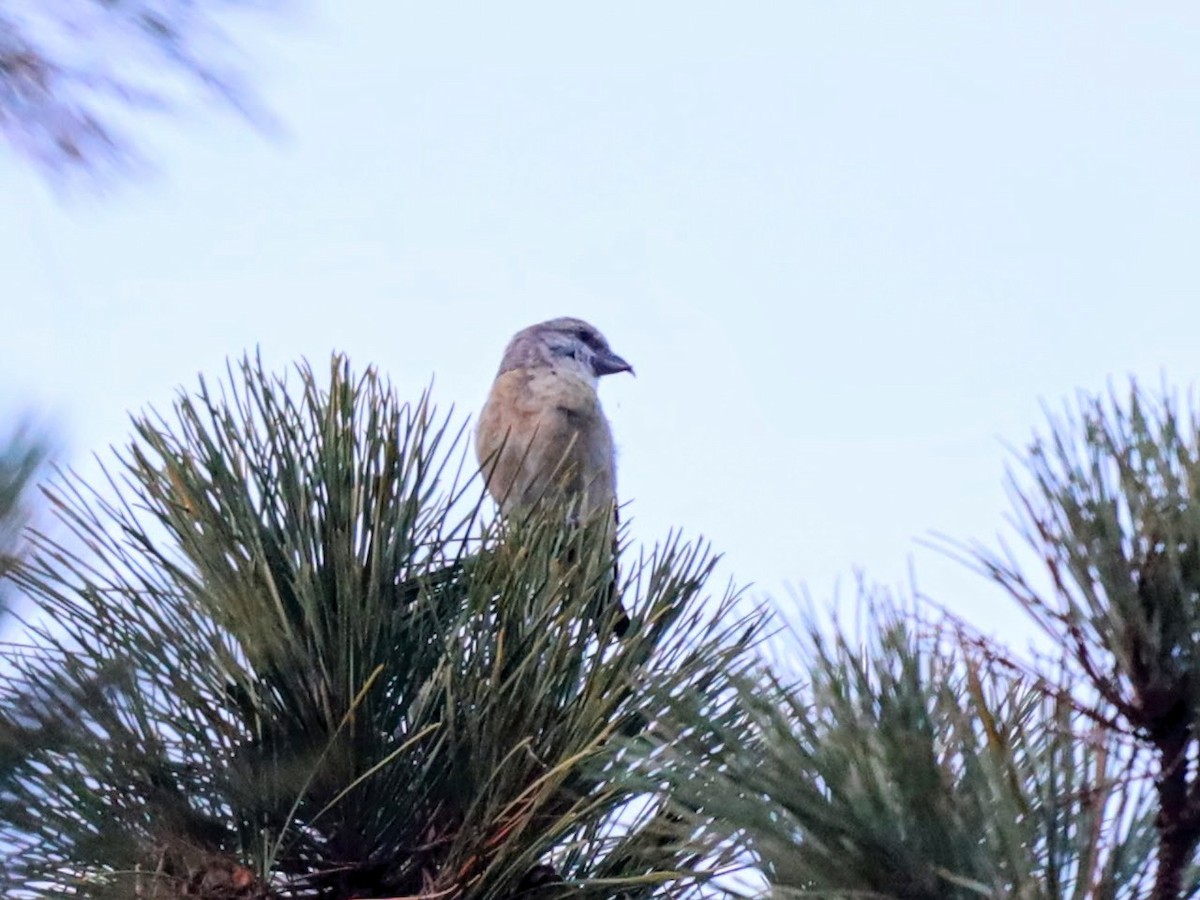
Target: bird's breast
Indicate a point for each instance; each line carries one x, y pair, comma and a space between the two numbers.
543, 431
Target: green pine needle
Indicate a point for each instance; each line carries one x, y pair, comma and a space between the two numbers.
291, 643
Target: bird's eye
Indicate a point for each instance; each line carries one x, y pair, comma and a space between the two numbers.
583, 335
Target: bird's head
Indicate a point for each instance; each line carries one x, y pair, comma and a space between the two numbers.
565, 343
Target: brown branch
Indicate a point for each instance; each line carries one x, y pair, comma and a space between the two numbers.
1177, 823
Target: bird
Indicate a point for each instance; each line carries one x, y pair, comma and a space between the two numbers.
542, 436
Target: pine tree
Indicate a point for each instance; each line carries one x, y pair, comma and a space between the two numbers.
915, 759
293, 659
910, 762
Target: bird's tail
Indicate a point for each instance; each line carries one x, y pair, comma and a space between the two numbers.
620, 618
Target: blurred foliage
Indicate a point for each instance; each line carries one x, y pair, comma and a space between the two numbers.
71, 72
23, 453
293, 662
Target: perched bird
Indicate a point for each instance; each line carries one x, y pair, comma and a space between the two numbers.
542, 436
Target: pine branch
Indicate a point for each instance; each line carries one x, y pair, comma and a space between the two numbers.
1112, 508
70, 70
294, 648
23, 453
908, 766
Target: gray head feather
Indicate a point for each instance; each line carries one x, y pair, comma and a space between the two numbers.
566, 343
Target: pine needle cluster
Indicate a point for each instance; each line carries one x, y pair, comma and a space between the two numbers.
285, 653
289, 658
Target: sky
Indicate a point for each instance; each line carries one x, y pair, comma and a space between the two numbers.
851, 249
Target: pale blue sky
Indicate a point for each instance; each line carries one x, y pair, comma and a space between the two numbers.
849, 247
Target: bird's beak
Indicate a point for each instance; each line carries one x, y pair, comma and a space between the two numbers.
608, 363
